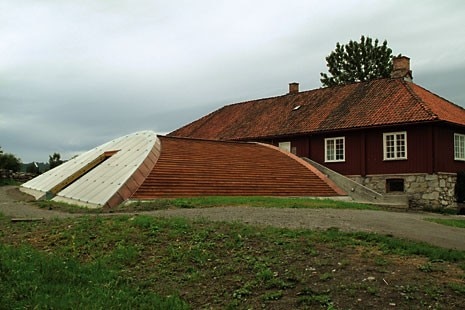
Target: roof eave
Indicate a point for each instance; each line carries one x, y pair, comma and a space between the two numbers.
325, 131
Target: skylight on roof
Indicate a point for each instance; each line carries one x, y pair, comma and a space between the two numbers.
296, 108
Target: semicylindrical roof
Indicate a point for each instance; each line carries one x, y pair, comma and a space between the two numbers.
103, 176
145, 166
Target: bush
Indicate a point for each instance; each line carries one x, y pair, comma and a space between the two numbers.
9, 162
33, 168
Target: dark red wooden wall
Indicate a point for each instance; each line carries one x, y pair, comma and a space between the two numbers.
430, 148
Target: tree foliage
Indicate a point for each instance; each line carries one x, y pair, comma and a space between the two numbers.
9, 161
54, 160
33, 168
357, 61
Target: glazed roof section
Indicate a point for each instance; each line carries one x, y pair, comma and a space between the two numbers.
378, 102
108, 183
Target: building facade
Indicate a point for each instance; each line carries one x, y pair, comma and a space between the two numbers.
388, 134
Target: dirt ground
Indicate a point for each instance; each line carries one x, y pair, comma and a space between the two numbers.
407, 225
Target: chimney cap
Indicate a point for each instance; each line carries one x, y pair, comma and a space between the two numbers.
293, 88
401, 68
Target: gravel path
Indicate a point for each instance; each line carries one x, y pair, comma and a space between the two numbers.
399, 224
16, 204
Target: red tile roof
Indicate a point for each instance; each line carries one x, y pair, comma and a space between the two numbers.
378, 102
188, 167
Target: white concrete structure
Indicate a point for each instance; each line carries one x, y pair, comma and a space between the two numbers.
103, 176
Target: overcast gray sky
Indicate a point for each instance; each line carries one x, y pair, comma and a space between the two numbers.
75, 74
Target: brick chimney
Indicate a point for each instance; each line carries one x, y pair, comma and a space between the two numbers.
293, 88
401, 68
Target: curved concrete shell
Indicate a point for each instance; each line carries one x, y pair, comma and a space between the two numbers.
104, 176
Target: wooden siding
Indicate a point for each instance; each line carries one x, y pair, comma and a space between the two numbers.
444, 150
418, 152
430, 149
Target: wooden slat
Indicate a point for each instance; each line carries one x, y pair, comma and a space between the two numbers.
189, 168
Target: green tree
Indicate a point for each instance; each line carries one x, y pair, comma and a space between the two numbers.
33, 168
357, 61
54, 160
9, 162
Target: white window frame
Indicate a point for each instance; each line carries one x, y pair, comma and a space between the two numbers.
333, 142
459, 146
285, 146
395, 145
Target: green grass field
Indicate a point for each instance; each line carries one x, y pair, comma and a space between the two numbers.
449, 222
136, 261
215, 201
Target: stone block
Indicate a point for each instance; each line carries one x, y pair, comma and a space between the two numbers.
431, 177
431, 196
410, 178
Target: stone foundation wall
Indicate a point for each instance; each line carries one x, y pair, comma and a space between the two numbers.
425, 191
17, 176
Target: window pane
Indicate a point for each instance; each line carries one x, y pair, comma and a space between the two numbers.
390, 146
334, 148
400, 145
459, 146
339, 149
395, 145
330, 149
462, 146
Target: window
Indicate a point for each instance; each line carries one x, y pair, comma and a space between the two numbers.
285, 146
335, 149
459, 146
394, 185
395, 145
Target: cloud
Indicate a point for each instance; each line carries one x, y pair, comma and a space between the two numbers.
75, 74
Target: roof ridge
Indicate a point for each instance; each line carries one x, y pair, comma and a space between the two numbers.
206, 116
306, 91
341, 107
419, 100
204, 140
288, 94
436, 95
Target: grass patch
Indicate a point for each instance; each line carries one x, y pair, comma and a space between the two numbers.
448, 222
404, 247
32, 279
209, 202
7, 182
146, 262
251, 201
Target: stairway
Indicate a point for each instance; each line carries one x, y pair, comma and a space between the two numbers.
188, 168
361, 193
